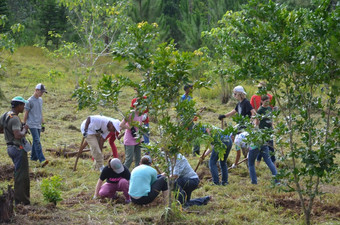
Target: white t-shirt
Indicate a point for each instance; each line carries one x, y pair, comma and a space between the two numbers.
239, 141
98, 125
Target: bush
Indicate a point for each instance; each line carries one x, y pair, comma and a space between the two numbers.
50, 188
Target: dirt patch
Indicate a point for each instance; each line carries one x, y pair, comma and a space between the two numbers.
80, 198
40, 174
319, 209
69, 117
6, 172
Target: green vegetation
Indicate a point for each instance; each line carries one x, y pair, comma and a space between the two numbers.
50, 188
104, 54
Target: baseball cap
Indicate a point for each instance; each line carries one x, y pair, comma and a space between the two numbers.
116, 123
41, 87
19, 99
116, 165
239, 89
187, 86
146, 159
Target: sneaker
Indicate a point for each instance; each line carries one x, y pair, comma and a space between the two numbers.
44, 163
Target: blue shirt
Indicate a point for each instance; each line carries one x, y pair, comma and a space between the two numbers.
186, 97
142, 177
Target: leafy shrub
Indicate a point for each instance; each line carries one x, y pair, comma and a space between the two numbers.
50, 188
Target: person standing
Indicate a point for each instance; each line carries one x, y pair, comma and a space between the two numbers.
117, 178
266, 124
95, 129
132, 139
145, 119
34, 119
255, 100
15, 131
227, 142
243, 106
187, 96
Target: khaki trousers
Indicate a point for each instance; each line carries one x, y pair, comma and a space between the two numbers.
93, 141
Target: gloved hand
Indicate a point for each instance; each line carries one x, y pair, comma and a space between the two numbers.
221, 117
201, 160
233, 166
43, 127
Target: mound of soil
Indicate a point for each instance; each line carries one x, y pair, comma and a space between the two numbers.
6, 172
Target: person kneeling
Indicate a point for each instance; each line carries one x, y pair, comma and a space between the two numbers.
117, 179
145, 185
186, 181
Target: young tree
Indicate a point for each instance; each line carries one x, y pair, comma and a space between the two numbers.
164, 70
97, 24
290, 49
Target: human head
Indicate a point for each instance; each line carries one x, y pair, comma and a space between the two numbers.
18, 103
113, 125
262, 84
146, 160
265, 100
40, 89
187, 88
116, 165
239, 93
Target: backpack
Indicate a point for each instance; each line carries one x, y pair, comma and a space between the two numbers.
4, 122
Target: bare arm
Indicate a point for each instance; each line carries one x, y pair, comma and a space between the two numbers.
123, 125
20, 134
231, 113
238, 155
101, 143
87, 123
98, 186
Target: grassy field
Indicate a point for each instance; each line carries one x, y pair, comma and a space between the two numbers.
237, 203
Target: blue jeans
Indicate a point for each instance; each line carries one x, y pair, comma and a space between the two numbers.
224, 169
37, 153
146, 136
271, 153
251, 162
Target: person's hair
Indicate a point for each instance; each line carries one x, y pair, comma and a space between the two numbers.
146, 160
16, 103
187, 86
264, 97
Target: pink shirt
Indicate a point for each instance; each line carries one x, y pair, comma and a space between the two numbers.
128, 139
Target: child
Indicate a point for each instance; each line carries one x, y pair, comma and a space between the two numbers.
266, 123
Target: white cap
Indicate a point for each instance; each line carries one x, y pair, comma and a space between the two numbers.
41, 87
239, 89
116, 123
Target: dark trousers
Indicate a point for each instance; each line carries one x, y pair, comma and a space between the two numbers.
159, 185
21, 175
184, 187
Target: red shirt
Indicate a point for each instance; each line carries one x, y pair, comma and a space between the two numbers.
134, 106
255, 101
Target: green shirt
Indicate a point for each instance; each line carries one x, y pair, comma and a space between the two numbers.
13, 123
266, 122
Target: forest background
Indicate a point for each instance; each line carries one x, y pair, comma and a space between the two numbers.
65, 58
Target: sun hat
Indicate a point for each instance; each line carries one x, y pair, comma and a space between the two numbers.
19, 99
239, 89
116, 165
41, 87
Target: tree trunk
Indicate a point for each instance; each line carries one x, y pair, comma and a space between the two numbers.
6, 205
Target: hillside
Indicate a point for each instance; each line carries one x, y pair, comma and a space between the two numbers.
237, 203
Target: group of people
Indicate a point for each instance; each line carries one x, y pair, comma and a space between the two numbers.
143, 184
15, 132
